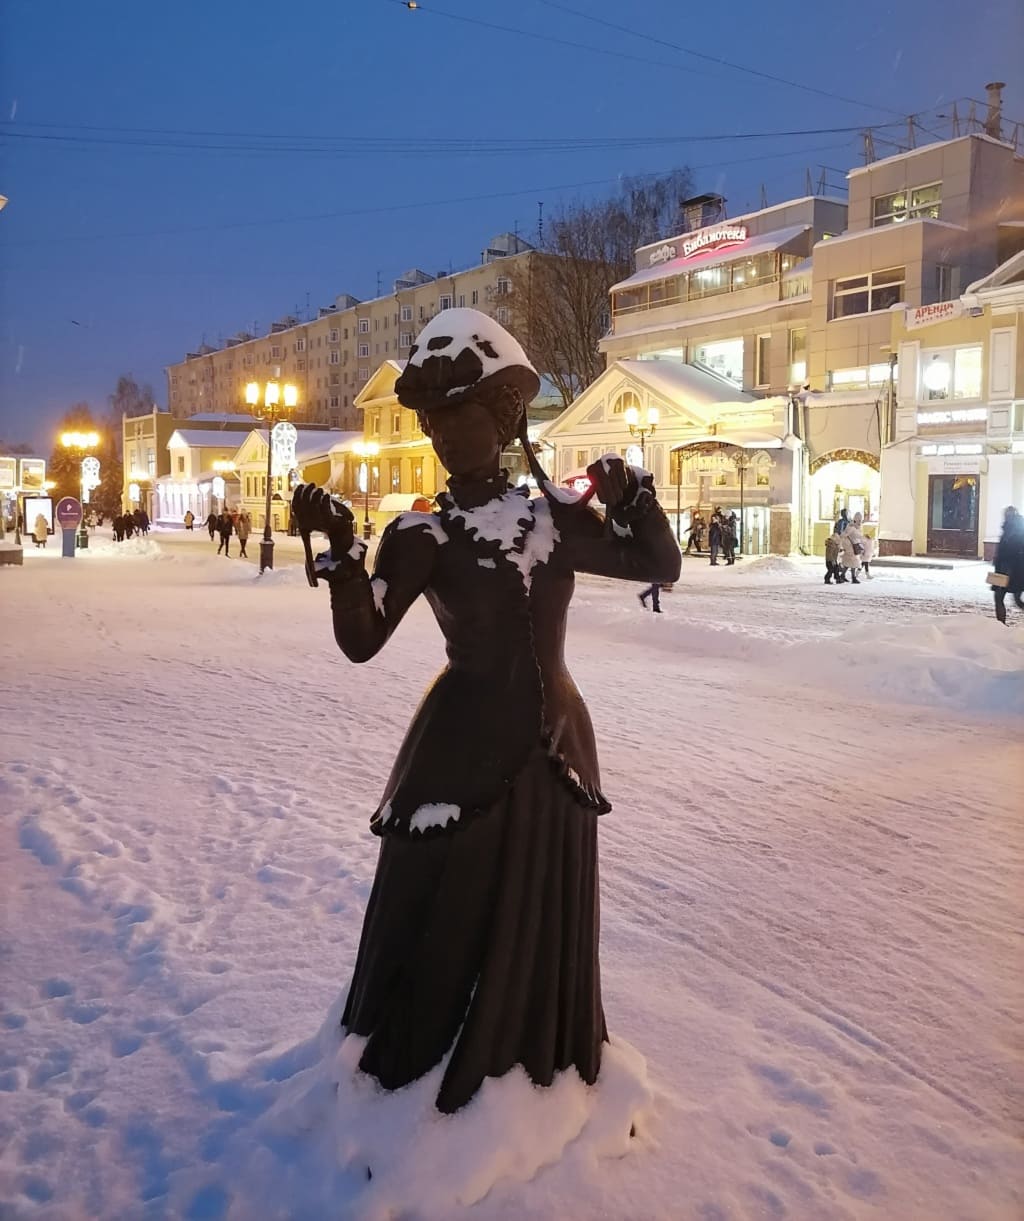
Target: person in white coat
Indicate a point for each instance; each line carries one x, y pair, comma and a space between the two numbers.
852, 549
868, 556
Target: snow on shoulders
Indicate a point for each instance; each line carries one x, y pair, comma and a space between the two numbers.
431, 522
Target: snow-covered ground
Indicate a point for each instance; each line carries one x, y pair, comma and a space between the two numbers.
812, 888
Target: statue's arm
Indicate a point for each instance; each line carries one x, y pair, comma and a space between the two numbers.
365, 610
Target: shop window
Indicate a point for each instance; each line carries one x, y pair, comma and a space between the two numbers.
709, 282
748, 273
722, 356
582, 460
866, 294
858, 379
396, 477
798, 355
762, 370
915, 204
417, 475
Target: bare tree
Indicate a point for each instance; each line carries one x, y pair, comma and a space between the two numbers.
129, 398
560, 294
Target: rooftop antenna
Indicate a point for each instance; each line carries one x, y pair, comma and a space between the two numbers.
911, 132
764, 196
379, 284
869, 146
307, 306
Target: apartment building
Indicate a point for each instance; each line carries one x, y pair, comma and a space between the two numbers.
330, 358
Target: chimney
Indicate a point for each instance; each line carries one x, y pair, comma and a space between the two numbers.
994, 118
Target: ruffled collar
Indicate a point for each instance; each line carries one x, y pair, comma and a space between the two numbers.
472, 493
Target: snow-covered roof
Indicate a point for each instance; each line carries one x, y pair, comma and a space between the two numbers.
854, 234
1010, 272
674, 380
234, 419
313, 443
906, 154
345, 443
203, 438
761, 243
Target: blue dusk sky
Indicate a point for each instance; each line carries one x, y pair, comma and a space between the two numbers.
179, 171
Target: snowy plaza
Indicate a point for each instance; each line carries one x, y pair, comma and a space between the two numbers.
811, 896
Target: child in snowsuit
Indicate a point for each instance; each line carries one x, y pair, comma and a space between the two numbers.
832, 569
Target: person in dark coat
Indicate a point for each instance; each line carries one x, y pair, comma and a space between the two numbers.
479, 946
654, 593
225, 528
695, 534
211, 525
842, 521
715, 537
729, 532
1009, 562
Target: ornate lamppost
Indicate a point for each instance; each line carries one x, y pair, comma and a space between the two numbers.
271, 404
82, 442
642, 427
366, 450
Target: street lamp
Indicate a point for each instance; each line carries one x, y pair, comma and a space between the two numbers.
271, 405
366, 450
644, 429
82, 442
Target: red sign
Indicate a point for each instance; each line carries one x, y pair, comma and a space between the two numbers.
69, 513
714, 239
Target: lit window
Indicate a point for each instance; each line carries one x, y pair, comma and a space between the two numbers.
723, 356
914, 204
798, 355
627, 399
866, 294
950, 373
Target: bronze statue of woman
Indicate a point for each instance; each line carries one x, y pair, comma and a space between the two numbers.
479, 948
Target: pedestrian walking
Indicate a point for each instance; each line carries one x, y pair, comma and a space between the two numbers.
190, 519
833, 545
715, 537
842, 521
243, 529
225, 528
1008, 564
851, 551
654, 593
211, 524
695, 534
729, 532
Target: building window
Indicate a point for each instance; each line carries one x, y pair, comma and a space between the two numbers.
462, 300
406, 339
300, 345
407, 313
444, 301
364, 326
504, 286
181, 465
275, 352
332, 335
798, 355
915, 204
396, 423
364, 373
582, 458
396, 477
417, 475
334, 358
943, 282
335, 400
627, 399
364, 350
503, 315
858, 379
335, 379
476, 297
866, 294
376, 324
723, 356
950, 373
762, 369
300, 365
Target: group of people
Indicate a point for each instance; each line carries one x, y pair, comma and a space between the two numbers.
722, 535
223, 525
848, 551
135, 521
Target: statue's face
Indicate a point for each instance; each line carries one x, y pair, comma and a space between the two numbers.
465, 439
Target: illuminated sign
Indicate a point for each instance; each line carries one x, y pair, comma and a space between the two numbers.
925, 315
8, 474
662, 254
33, 474
282, 441
714, 239
967, 415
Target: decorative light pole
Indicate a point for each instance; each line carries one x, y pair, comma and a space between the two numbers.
642, 429
271, 405
82, 442
366, 450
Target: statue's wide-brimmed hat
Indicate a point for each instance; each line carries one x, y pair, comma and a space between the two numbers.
458, 353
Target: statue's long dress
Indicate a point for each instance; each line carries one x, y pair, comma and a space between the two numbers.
481, 933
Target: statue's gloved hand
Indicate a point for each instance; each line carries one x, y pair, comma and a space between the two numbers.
613, 481
316, 509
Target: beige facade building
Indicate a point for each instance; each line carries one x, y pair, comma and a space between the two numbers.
956, 460
331, 358
804, 301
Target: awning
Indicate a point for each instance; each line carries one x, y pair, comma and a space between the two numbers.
763, 243
747, 438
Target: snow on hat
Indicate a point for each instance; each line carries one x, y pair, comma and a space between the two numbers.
459, 352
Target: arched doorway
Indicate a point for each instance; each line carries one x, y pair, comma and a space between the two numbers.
842, 479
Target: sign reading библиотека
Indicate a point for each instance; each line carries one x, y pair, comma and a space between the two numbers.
701, 242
